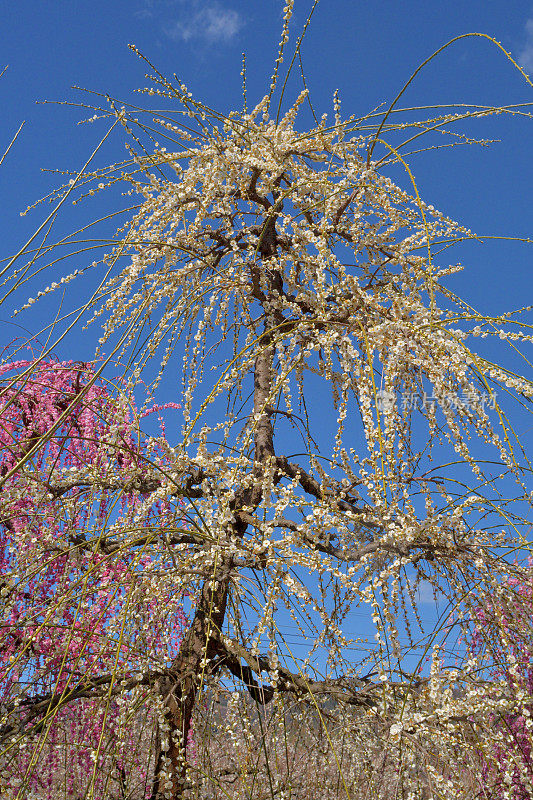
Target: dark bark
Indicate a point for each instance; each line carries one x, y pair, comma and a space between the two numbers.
179, 689
201, 648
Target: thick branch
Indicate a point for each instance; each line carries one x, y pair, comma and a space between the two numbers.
314, 488
352, 691
136, 484
264, 434
34, 708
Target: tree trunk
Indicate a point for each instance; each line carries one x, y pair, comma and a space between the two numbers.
178, 691
201, 642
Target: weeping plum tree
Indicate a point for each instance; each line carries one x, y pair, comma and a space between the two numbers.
508, 647
337, 427
67, 584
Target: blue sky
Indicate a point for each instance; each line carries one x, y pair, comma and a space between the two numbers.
365, 50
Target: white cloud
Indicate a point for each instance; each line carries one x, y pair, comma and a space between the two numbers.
211, 22
424, 592
525, 57
145, 10
148, 9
